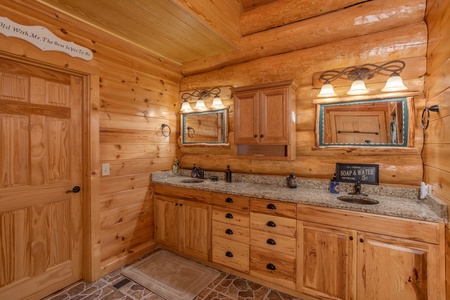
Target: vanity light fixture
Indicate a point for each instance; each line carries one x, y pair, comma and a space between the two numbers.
200, 103
360, 73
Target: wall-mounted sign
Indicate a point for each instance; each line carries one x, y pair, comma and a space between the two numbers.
364, 173
43, 39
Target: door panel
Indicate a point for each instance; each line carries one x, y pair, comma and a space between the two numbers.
40, 147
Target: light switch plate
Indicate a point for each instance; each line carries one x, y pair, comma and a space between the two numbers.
105, 170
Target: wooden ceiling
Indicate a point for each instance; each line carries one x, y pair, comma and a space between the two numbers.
179, 30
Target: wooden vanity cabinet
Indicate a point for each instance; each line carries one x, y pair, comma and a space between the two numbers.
348, 255
230, 231
264, 121
273, 241
183, 220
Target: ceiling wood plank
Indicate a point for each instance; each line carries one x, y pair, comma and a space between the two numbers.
160, 26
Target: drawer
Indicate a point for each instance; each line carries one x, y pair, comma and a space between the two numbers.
230, 253
273, 224
278, 268
230, 216
421, 231
231, 201
231, 231
276, 208
273, 242
180, 193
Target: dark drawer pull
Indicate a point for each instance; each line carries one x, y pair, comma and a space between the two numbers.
271, 206
229, 200
229, 231
228, 254
229, 216
271, 267
271, 242
271, 224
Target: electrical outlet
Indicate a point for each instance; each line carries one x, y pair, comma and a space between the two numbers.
105, 170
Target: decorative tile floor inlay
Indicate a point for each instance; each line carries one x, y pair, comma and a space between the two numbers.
225, 287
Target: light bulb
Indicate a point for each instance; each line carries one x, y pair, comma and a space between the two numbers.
358, 88
394, 84
327, 90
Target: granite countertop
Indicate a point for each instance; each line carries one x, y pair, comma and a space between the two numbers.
395, 202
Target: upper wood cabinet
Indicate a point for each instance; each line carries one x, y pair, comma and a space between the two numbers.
264, 121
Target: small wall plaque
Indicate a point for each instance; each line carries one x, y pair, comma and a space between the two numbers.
43, 38
364, 173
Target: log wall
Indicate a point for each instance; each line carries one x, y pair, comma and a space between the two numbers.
369, 32
131, 95
436, 152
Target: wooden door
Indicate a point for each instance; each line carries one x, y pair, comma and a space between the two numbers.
364, 128
274, 116
41, 159
326, 261
196, 235
167, 222
246, 117
396, 269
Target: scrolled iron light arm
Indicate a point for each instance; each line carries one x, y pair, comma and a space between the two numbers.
363, 72
215, 91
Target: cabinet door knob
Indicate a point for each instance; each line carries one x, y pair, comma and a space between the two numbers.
261, 136
271, 242
271, 224
271, 267
351, 238
271, 206
229, 216
361, 240
229, 200
229, 231
255, 136
228, 254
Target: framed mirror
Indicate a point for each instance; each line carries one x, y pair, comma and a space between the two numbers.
364, 123
208, 127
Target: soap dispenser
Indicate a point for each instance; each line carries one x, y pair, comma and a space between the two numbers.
334, 185
228, 174
194, 172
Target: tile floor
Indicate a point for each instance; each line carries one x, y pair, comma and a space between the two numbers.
225, 287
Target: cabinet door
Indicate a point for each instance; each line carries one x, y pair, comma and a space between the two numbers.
196, 236
167, 226
326, 261
274, 116
392, 268
246, 118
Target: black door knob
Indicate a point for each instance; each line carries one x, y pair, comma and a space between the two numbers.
229, 216
228, 254
271, 267
75, 189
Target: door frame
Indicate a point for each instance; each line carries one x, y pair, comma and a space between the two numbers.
90, 163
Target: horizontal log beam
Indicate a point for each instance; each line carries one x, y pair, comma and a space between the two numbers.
361, 20
398, 43
283, 12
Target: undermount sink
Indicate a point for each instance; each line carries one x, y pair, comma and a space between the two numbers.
193, 180
358, 199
